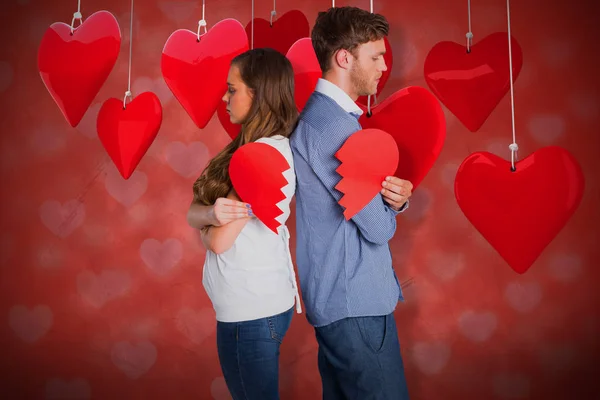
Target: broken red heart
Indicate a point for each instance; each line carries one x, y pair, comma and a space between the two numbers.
389, 60
307, 70
519, 213
232, 129
196, 71
126, 134
256, 172
74, 66
286, 30
415, 119
368, 157
472, 84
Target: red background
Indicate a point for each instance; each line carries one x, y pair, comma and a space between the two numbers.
116, 309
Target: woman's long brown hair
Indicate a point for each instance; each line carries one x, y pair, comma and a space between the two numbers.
270, 78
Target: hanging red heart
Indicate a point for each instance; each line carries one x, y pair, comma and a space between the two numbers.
472, 84
74, 66
307, 70
519, 213
232, 129
196, 71
389, 60
126, 134
415, 119
286, 30
368, 157
256, 172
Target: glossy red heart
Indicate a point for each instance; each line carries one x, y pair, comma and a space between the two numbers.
74, 66
126, 134
472, 84
415, 119
519, 213
232, 129
286, 30
389, 60
307, 70
256, 172
368, 157
196, 71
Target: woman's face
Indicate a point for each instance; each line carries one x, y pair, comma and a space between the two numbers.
238, 96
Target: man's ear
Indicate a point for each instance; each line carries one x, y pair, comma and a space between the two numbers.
342, 58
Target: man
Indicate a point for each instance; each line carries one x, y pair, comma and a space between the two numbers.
348, 284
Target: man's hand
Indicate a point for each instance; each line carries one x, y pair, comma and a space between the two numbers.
396, 191
226, 210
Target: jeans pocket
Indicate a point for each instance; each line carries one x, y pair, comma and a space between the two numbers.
373, 331
279, 324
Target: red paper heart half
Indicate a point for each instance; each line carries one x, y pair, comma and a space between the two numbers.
286, 30
126, 134
232, 129
256, 172
472, 84
74, 66
368, 157
196, 71
415, 119
307, 70
519, 213
389, 60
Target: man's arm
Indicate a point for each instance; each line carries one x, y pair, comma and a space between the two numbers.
219, 239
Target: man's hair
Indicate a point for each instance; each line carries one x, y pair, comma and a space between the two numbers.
345, 28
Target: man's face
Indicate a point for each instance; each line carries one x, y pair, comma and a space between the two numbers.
368, 66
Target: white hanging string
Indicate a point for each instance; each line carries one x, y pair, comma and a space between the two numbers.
273, 13
469, 33
202, 22
252, 28
332, 3
128, 92
371, 6
513, 146
76, 16
375, 95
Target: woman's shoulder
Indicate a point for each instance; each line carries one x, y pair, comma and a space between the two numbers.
275, 140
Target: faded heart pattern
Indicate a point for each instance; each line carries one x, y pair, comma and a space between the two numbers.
187, 160
431, 358
134, 360
523, 297
125, 191
196, 326
62, 219
98, 289
30, 325
477, 327
76, 389
161, 257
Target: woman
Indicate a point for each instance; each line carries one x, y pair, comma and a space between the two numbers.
248, 272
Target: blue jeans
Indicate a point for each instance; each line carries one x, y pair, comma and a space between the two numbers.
359, 359
249, 355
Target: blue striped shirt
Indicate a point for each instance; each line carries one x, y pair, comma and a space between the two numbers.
345, 267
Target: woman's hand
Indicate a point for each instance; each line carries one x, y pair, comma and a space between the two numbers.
229, 209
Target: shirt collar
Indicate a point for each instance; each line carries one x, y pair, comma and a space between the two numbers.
338, 95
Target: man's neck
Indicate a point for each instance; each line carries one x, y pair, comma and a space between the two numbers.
342, 83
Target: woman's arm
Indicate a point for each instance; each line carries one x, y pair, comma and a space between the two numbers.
221, 213
219, 239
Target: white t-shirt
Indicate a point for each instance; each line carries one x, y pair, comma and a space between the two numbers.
255, 278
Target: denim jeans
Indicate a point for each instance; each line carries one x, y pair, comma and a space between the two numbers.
359, 359
249, 355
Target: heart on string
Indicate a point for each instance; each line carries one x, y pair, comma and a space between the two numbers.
74, 66
126, 134
472, 84
519, 213
232, 129
196, 71
307, 70
286, 30
389, 60
368, 157
256, 172
415, 119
